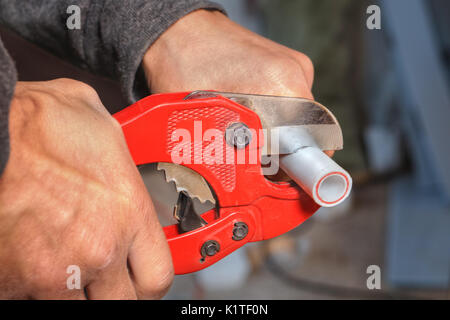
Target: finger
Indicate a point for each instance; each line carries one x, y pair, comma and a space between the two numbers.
112, 284
150, 261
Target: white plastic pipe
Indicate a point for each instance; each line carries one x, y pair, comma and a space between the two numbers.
318, 175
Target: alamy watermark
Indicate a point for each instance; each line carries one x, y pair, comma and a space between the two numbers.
374, 280
234, 146
374, 20
73, 22
74, 280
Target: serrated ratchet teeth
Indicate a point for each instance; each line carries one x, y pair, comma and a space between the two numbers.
187, 180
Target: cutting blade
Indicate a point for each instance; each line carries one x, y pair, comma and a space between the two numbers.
281, 116
187, 180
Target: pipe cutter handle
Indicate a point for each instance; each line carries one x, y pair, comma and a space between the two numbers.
249, 207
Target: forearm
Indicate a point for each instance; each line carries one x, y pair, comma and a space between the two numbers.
8, 79
113, 37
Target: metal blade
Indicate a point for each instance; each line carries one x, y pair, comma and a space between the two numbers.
187, 180
184, 212
286, 115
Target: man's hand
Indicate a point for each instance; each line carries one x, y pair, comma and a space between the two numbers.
71, 195
206, 50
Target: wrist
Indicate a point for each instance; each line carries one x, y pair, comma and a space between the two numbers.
180, 41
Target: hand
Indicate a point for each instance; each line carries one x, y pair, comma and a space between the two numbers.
71, 195
207, 51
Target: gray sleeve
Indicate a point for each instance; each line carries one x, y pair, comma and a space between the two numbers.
111, 41
8, 79
113, 37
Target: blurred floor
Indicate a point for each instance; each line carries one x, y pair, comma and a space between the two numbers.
339, 251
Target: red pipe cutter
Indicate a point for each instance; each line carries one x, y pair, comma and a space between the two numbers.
249, 206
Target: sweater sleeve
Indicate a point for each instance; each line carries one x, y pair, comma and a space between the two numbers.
8, 78
112, 37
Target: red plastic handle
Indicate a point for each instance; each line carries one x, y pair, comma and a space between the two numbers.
244, 194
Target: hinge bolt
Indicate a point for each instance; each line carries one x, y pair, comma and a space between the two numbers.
210, 248
240, 231
238, 135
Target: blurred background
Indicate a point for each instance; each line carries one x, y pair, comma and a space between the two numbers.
389, 89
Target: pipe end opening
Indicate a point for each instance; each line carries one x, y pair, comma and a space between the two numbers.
333, 189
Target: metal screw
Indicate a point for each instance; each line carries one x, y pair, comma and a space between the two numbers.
238, 135
240, 231
210, 248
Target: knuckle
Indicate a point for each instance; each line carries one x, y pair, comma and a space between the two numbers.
88, 90
72, 86
100, 257
307, 67
97, 254
77, 85
160, 282
294, 75
76, 88
287, 68
306, 63
165, 279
